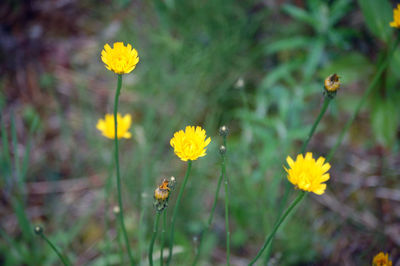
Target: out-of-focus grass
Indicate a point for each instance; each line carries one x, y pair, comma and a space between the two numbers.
256, 67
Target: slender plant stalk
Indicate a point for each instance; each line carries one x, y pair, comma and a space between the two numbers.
107, 189
299, 198
178, 201
164, 226
153, 238
120, 244
53, 247
364, 98
228, 233
327, 101
121, 214
210, 218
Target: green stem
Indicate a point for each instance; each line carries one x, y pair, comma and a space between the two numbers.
120, 244
164, 226
364, 98
53, 247
153, 238
118, 170
228, 233
327, 101
176, 211
210, 218
278, 224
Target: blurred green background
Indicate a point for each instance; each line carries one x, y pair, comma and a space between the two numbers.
257, 67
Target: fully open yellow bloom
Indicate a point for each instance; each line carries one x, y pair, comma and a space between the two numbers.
307, 174
381, 259
191, 143
120, 59
396, 17
107, 126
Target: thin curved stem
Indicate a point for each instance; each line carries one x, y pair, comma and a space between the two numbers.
364, 98
53, 247
178, 201
278, 224
228, 232
153, 238
164, 226
327, 101
121, 214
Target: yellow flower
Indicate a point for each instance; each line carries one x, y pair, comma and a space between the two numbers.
307, 174
120, 59
107, 127
191, 143
381, 259
396, 17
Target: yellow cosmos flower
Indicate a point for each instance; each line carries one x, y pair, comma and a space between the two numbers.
307, 174
396, 17
120, 59
191, 143
381, 259
107, 126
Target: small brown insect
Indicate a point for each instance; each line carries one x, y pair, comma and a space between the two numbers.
162, 192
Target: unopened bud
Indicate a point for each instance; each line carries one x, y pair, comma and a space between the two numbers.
223, 131
162, 193
222, 149
332, 84
38, 230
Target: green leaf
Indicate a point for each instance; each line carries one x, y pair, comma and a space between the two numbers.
300, 14
288, 44
314, 58
385, 120
338, 10
377, 15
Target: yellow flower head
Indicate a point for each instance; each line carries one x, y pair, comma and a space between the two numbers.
191, 143
396, 17
107, 126
381, 259
307, 174
120, 59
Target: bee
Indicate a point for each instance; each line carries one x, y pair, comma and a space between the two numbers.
162, 192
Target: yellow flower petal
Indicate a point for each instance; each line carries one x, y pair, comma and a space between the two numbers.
191, 143
107, 126
308, 174
381, 259
120, 59
396, 17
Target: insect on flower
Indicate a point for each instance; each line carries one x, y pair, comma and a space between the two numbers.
162, 193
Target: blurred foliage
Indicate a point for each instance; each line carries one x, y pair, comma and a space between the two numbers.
256, 66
